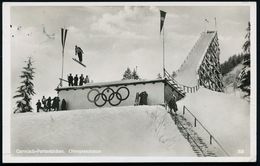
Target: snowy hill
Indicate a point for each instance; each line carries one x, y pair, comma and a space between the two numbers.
117, 131
226, 116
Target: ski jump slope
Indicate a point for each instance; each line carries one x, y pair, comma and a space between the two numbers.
187, 73
115, 131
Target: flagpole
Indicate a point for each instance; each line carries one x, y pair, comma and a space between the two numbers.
163, 55
62, 66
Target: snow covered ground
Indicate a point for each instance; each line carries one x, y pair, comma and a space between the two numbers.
226, 116
116, 131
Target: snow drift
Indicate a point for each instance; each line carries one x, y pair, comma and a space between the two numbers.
226, 116
116, 131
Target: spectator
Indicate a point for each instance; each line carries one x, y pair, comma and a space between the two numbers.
49, 104
70, 80
39, 105
76, 80
54, 103
57, 103
173, 105
63, 105
81, 80
143, 98
86, 79
44, 103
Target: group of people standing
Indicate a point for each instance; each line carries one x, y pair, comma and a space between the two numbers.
77, 81
50, 104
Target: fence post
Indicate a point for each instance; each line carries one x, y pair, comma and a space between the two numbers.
195, 122
210, 139
183, 110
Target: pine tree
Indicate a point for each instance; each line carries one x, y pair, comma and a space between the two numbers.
26, 90
244, 76
127, 74
135, 75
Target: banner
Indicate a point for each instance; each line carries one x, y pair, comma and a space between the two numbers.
163, 15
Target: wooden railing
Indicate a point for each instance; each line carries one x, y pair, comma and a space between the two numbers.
184, 88
189, 89
211, 137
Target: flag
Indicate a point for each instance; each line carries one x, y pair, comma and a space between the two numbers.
63, 36
162, 16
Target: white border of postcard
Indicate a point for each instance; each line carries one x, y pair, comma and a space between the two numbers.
6, 111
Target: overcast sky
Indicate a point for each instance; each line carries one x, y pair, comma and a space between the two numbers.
114, 38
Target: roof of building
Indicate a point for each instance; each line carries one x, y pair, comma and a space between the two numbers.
111, 83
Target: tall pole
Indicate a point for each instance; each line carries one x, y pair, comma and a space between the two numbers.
163, 56
62, 66
215, 23
63, 39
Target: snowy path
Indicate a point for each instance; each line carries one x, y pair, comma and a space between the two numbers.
116, 131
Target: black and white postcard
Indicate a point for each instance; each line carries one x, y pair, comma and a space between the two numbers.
129, 82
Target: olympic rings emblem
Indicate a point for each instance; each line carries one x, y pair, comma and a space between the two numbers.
114, 98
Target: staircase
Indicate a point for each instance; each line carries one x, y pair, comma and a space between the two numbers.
173, 83
196, 142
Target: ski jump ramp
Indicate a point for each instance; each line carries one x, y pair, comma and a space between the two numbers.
202, 67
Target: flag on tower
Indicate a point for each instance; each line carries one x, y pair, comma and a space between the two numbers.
163, 15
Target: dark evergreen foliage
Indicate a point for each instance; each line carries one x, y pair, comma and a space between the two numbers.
232, 62
128, 74
244, 76
26, 90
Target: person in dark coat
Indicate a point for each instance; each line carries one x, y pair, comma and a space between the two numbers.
57, 103
49, 104
54, 103
44, 103
79, 52
76, 80
70, 80
173, 105
143, 98
63, 105
39, 105
81, 80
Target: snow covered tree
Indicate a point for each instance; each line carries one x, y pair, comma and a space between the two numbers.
26, 90
135, 75
127, 74
244, 76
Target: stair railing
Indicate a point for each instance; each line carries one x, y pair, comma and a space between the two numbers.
173, 82
189, 136
185, 88
211, 137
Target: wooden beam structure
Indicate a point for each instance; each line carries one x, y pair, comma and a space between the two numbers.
209, 71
